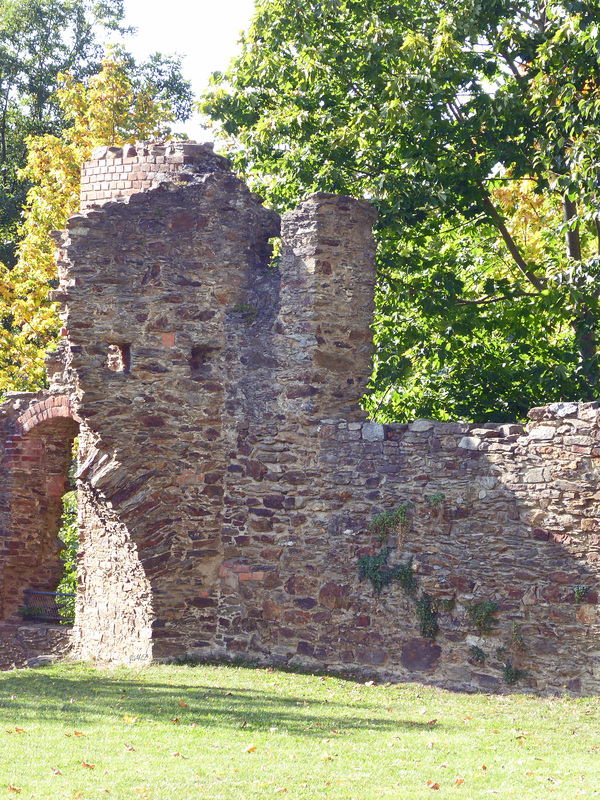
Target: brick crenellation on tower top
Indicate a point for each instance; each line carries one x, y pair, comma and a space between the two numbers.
115, 173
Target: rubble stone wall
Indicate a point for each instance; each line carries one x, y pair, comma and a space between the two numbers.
228, 479
496, 514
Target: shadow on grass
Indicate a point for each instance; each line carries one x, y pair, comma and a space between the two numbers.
87, 698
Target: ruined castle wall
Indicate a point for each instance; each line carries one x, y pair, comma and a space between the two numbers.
515, 527
155, 296
228, 477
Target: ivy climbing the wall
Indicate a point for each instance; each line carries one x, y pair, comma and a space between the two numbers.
376, 569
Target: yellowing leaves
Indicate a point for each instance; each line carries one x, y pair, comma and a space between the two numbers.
106, 112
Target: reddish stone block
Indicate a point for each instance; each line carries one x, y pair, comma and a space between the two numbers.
271, 610
333, 596
563, 577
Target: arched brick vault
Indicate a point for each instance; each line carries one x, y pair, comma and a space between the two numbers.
53, 407
38, 456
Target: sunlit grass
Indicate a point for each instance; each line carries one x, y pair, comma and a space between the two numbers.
239, 732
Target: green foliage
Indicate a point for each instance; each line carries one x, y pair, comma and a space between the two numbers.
477, 654
475, 134
513, 674
517, 637
482, 615
391, 520
580, 592
435, 500
425, 608
248, 312
69, 535
375, 569
444, 604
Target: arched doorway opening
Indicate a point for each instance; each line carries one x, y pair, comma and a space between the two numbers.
40, 459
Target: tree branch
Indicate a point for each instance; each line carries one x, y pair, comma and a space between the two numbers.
508, 240
572, 234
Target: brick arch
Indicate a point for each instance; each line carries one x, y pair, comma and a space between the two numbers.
44, 410
38, 457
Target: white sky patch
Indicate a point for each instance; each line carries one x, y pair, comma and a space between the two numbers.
205, 33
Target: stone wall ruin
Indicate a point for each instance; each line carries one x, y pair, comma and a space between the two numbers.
227, 476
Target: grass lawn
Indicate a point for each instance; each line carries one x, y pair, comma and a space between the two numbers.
72, 731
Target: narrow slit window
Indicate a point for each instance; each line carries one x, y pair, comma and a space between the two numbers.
119, 357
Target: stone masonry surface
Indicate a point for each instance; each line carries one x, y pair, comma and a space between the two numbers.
227, 476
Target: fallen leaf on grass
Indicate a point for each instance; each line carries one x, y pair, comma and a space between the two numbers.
13, 789
467, 719
433, 785
174, 719
483, 766
78, 733
20, 730
56, 771
283, 789
429, 745
177, 753
183, 704
89, 766
127, 718
432, 721
129, 746
370, 683
459, 781
250, 749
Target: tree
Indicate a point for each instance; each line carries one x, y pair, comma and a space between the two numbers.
109, 110
451, 120
38, 40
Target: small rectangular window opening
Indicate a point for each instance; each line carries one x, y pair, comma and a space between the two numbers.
200, 358
119, 357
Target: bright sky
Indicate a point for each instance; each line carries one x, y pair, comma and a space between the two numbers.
204, 32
